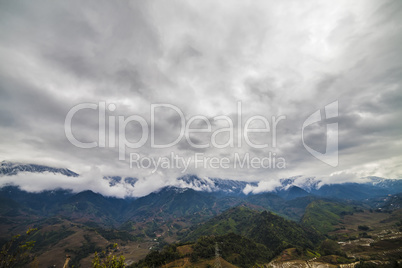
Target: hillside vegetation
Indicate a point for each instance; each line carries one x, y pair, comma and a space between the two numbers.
322, 216
265, 228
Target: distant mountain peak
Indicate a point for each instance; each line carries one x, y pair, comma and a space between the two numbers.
306, 183
208, 184
115, 180
383, 183
177, 190
8, 168
195, 182
292, 192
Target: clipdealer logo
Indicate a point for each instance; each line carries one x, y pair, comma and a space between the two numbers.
330, 156
112, 134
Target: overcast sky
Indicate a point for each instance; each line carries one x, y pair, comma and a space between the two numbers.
278, 58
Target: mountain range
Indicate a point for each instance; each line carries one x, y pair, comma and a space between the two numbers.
289, 188
299, 213
192, 197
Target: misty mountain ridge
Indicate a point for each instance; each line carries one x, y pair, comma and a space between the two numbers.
10, 168
213, 184
197, 213
289, 188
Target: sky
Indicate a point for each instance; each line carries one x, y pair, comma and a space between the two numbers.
197, 64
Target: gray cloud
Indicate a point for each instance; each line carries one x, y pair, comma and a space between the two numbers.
287, 58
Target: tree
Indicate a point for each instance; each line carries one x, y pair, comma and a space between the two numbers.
15, 251
363, 227
111, 260
330, 247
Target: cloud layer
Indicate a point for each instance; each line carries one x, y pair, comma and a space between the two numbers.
276, 58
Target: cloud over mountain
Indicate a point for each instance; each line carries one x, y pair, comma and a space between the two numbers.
276, 58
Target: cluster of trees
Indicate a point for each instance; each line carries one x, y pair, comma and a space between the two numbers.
330, 247
363, 228
234, 248
158, 258
108, 259
16, 250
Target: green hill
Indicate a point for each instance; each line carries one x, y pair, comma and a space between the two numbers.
266, 228
322, 215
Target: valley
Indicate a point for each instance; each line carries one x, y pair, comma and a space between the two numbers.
184, 227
